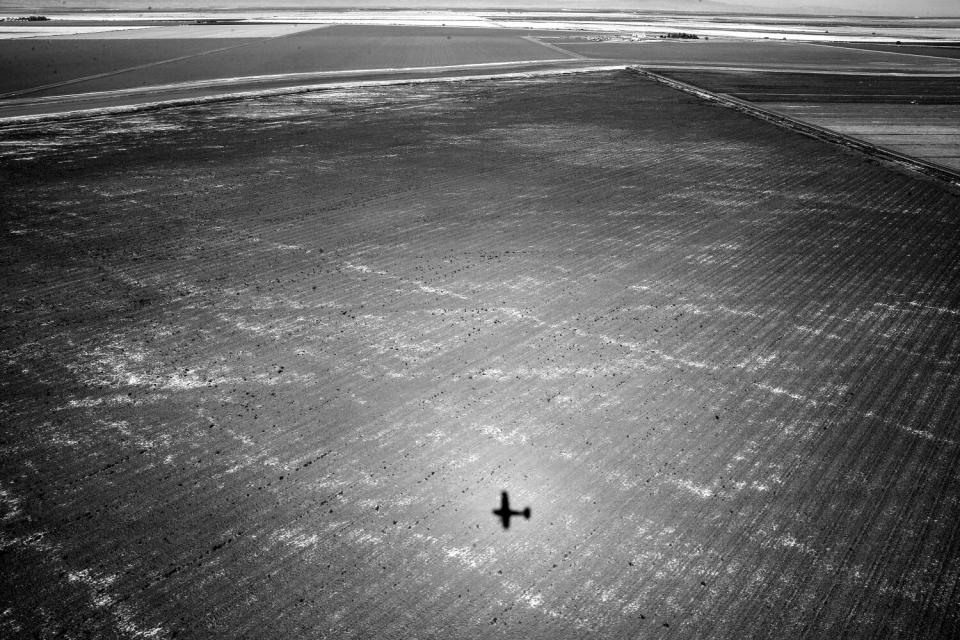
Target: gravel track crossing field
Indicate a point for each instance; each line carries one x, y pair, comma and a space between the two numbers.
268, 365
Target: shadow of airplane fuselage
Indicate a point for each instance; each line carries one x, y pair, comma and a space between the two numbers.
505, 512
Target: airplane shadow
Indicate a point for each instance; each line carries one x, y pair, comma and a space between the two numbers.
505, 512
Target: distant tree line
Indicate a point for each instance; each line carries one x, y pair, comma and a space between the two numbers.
26, 19
682, 36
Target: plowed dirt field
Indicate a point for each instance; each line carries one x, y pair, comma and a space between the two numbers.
267, 366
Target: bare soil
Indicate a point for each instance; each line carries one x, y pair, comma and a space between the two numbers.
267, 366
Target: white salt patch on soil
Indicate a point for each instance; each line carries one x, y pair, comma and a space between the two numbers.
693, 364
926, 435
439, 291
810, 330
783, 392
569, 402
296, 538
122, 426
762, 361
243, 438
277, 329
704, 258
953, 312
118, 365
123, 614
420, 285
359, 536
465, 555
625, 481
34, 541
465, 461
10, 506
438, 435
87, 577
520, 314
698, 490
118, 400
494, 374
621, 365
362, 268
509, 438
687, 307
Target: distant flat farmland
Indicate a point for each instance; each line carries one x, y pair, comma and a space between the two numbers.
36, 62
201, 31
754, 53
924, 131
917, 116
819, 87
937, 51
325, 49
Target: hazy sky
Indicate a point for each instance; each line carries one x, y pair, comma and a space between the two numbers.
870, 7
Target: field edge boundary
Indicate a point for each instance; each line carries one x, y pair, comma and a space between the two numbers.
928, 169
94, 111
